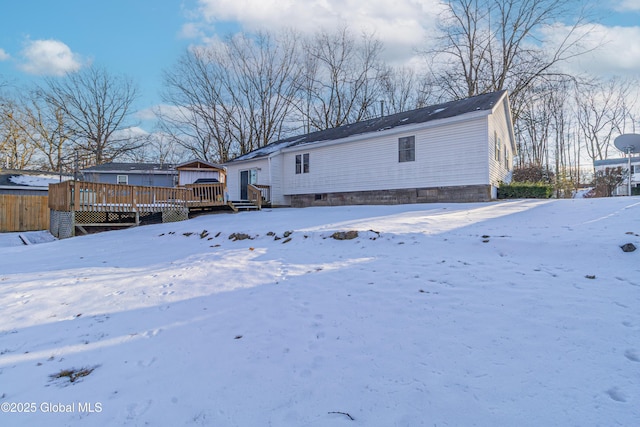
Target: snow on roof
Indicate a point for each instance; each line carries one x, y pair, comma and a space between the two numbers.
42, 180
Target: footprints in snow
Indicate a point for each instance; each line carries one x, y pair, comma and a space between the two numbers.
167, 291
632, 355
615, 393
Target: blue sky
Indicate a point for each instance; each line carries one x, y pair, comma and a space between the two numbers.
141, 38
138, 38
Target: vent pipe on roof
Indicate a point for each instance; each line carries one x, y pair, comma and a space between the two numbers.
382, 108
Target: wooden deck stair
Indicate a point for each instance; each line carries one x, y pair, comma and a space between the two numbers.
243, 205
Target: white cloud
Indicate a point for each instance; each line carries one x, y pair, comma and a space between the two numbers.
4, 55
402, 25
612, 50
628, 5
49, 57
146, 114
191, 30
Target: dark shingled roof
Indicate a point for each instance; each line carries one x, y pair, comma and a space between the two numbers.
132, 167
434, 112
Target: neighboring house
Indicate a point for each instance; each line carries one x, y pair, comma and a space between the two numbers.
144, 174
28, 183
193, 170
456, 151
622, 189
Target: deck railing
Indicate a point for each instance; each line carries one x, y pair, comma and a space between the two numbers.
60, 196
265, 190
97, 197
205, 194
255, 195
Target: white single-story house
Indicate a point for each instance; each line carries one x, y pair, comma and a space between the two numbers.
623, 163
456, 151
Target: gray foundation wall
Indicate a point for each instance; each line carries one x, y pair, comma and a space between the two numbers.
466, 193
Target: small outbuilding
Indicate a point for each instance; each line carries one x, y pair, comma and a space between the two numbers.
189, 172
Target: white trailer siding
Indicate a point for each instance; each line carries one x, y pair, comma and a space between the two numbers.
458, 156
500, 138
259, 166
450, 154
276, 168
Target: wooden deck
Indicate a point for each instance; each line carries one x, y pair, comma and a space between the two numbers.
78, 196
77, 204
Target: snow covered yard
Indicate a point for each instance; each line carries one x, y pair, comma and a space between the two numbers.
512, 313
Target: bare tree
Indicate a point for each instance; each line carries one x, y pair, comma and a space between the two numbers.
402, 89
235, 96
342, 83
46, 128
157, 148
195, 119
534, 127
16, 146
97, 105
491, 45
547, 133
601, 109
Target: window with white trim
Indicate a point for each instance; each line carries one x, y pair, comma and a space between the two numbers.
122, 179
407, 149
302, 163
497, 144
506, 158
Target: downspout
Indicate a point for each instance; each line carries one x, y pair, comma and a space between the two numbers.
270, 179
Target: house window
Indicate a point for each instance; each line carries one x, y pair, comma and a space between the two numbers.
407, 149
122, 179
506, 158
496, 146
302, 163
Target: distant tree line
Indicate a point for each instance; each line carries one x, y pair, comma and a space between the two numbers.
234, 95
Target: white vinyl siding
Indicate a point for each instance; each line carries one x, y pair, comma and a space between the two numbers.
449, 155
450, 152
260, 168
276, 167
500, 147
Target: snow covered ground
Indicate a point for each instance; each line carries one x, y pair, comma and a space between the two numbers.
518, 313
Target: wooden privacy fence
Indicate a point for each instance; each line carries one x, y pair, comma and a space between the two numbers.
23, 213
